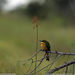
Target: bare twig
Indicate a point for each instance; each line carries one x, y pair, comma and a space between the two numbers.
67, 58
73, 67
31, 57
29, 67
47, 65
66, 62
24, 61
41, 60
66, 70
52, 64
56, 52
37, 66
16, 65
62, 66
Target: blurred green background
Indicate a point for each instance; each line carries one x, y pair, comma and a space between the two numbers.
18, 38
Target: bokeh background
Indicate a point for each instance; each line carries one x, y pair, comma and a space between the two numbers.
18, 38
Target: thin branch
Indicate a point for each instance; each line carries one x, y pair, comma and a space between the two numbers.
66, 70
29, 67
47, 65
56, 52
38, 60
24, 61
31, 57
41, 60
73, 68
37, 66
62, 66
66, 62
67, 58
16, 65
52, 64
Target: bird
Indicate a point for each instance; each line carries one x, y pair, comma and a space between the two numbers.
45, 46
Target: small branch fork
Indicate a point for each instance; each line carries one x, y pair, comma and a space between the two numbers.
59, 54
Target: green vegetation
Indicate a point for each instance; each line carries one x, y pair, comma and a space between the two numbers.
18, 40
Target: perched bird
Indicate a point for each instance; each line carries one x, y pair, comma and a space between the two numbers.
45, 46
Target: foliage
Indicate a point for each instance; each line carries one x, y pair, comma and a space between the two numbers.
37, 9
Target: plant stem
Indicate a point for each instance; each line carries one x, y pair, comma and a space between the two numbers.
36, 48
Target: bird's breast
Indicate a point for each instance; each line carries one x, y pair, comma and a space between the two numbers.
43, 46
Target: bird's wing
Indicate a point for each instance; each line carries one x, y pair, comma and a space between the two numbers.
48, 45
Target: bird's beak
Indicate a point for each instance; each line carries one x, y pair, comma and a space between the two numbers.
40, 40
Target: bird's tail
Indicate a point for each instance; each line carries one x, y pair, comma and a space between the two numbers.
47, 56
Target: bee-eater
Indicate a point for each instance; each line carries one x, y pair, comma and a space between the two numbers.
45, 46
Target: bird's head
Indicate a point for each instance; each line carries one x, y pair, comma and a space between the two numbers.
43, 41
